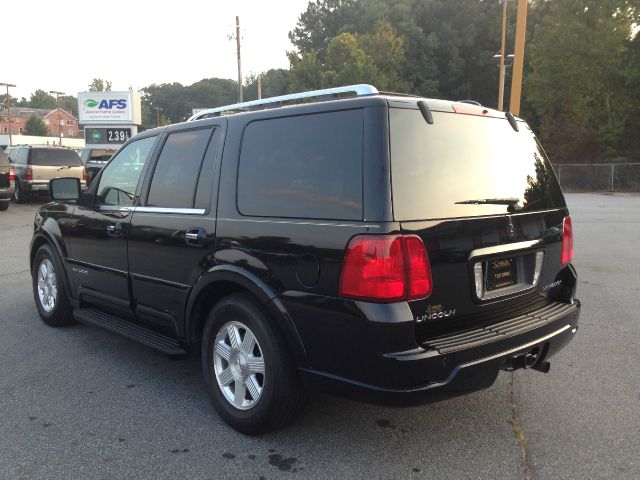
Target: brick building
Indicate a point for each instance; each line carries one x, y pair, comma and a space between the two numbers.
68, 124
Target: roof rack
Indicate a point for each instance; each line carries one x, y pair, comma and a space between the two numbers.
273, 102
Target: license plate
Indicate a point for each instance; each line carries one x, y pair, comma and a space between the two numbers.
501, 273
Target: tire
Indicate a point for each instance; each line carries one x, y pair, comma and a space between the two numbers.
49, 290
271, 399
4, 206
18, 194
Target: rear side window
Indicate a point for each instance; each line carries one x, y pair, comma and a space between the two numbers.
176, 173
445, 170
54, 157
303, 167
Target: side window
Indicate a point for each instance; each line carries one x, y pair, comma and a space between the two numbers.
120, 178
303, 167
22, 155
176, 174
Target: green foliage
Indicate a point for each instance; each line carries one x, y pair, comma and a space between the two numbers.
69, 103
41, 99
582, 80
177, 101
35, 126
100, 85
577, 80
351, 58
274, 82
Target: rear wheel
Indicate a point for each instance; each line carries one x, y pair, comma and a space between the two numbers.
4, 205
48, 289
252, 382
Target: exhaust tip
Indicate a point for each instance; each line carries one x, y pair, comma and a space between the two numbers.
543, 367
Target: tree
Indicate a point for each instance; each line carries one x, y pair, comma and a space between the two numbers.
577, 80
41, 99
100, 85
69, 103
377, 58
35, 126
275, 82
177, 101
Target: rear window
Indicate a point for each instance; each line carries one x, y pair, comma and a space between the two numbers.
440, 170
303, 167
54, 157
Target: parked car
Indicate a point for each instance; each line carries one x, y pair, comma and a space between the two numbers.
6, 181
94, 159
34, 166
389, 246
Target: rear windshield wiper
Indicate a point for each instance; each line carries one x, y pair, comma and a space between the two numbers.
512, 203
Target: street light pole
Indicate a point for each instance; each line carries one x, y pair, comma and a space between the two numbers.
239, 62
518, 64
502, 56
57, 94
8, 108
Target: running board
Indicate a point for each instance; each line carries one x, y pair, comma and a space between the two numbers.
159, 342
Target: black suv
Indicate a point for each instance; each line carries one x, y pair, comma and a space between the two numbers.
390, 246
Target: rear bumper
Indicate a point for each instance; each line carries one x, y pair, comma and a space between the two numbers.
454, 366
41, 186
6, 194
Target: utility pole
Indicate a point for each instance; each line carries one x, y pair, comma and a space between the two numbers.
502, 55
239, 61
158, 116
260, 86
518, 64
8, 108
57, 94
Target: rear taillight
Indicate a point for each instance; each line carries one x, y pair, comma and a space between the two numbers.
567, 241
12, 175
84, 174
28, 174
386, 268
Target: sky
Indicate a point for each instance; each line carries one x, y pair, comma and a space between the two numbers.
64, 45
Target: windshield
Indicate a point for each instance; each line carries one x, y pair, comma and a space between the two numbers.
55, 157
466, 165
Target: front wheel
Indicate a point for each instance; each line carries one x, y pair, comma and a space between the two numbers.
48, 289
251, 379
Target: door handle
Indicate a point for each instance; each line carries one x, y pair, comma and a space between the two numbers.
195, 237
114, 230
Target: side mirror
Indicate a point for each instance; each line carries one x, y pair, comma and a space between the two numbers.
65, 189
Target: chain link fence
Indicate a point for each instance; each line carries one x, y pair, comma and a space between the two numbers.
598, 177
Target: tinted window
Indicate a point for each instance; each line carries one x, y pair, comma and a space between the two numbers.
305, 167
438, 170
55, 157
176, 174
119, 178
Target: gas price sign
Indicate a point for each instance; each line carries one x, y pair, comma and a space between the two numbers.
107, 135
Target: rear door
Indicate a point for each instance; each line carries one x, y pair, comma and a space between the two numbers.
172, 234
486, 203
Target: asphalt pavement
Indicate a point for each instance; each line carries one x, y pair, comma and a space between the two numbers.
82, 403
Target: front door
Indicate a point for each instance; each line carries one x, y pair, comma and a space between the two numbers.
98, 244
